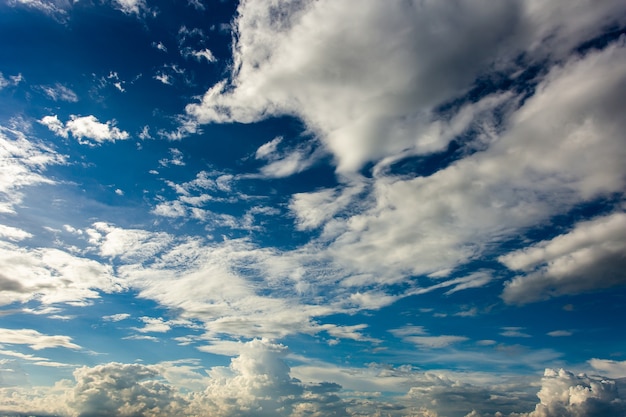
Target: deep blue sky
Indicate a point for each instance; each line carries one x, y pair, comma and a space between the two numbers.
322, 208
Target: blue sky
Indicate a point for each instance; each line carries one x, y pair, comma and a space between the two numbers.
312, 208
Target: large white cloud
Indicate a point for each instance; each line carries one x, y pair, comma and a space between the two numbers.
562, 147
366, 77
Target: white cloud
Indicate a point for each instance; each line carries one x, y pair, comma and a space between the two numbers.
429, 224
268, 149
56, 9
160, 46
175, 159
21, 164
85, 127
117, 389
199, 54
317, 60
137, 7
13, 233
610, 368
154, 325
589, 257
13, 80
35, 340
51, 276
59, 92
116, 317
565, 394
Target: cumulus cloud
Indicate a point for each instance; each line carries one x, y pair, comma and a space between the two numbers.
85, 127
565, 394
589, 257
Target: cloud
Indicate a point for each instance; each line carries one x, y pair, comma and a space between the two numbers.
85, 127
13, 233
417, 335
429, 225
560, 333
589, 257
154, 325
22, 162
176, 158
611, 368
35, 340
160, 46
199, 54
56, 9
59, 92
116, 317
116, 389
136, 7
364, 111
13, 80
52, 276
565, 394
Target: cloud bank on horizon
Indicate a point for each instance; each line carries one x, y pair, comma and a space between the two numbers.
312, 208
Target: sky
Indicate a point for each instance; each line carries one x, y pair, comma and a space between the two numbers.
312, 208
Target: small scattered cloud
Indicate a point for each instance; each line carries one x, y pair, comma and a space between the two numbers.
59, 92
514, 332
560, 333
160, 46
13, 80
85, 127
116, 317
198, 54
176, 158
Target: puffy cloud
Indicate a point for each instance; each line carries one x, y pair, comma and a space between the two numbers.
85, 127
565, 394
316, 60
589, 257
21, 164
116, 389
